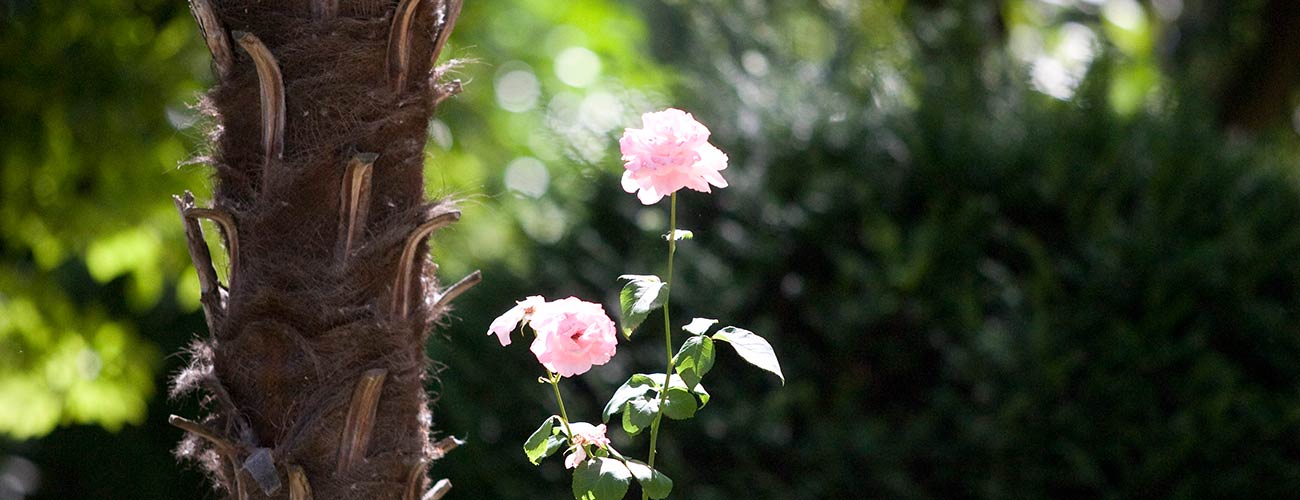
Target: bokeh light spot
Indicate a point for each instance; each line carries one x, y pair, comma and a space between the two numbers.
577, 67
517, 88
528, 176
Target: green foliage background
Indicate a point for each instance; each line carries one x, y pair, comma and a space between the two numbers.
1005, 249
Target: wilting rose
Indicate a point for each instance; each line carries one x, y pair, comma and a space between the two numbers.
595, 437
506, 324
572, 336
671, 151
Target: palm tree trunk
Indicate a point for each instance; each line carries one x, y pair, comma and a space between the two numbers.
314, 372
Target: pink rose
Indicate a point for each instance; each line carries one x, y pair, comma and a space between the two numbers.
575, 458
506, 324
572, 336
595, 437
671, 151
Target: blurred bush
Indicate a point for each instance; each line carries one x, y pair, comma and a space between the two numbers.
93, 100
989, 275
1005, 249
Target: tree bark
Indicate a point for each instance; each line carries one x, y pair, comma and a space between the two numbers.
314, 370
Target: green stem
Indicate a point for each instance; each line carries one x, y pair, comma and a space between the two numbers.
564, 415
668, 334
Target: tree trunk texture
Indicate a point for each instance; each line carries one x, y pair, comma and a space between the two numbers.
313, 374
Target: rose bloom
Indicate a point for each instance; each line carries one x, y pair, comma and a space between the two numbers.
671, 151
506, 324
595, 438
572, 336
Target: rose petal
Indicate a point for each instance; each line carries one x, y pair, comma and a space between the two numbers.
575, 458
506, 323
648, 196
629, 183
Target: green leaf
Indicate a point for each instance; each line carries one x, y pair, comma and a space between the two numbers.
601, 479
658, 380
610, 452
694, 359
641, 294
544, 442
654, 483
680, 404
702, 394
699, 325
635, 386
752, 348
639, 413
681, 234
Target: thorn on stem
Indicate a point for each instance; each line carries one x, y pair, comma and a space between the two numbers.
201, 258
402, 286
215, 37
221, 444
445, 445
414, 482
228, 231
399, 44
439, 490
444, 91
455, 290
271, 85
450, 10
224, 448
360, 422
354, 200
299, 488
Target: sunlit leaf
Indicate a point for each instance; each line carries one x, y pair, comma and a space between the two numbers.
639, 413
654, 483
679, 404
601, 479
636, 386
677, 382
641, 294
699, 325
544, 442
752, 348
694, 360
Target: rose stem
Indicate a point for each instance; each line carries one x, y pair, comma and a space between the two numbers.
668, 333
564, 415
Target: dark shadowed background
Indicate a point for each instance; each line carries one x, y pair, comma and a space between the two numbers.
1005, 249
